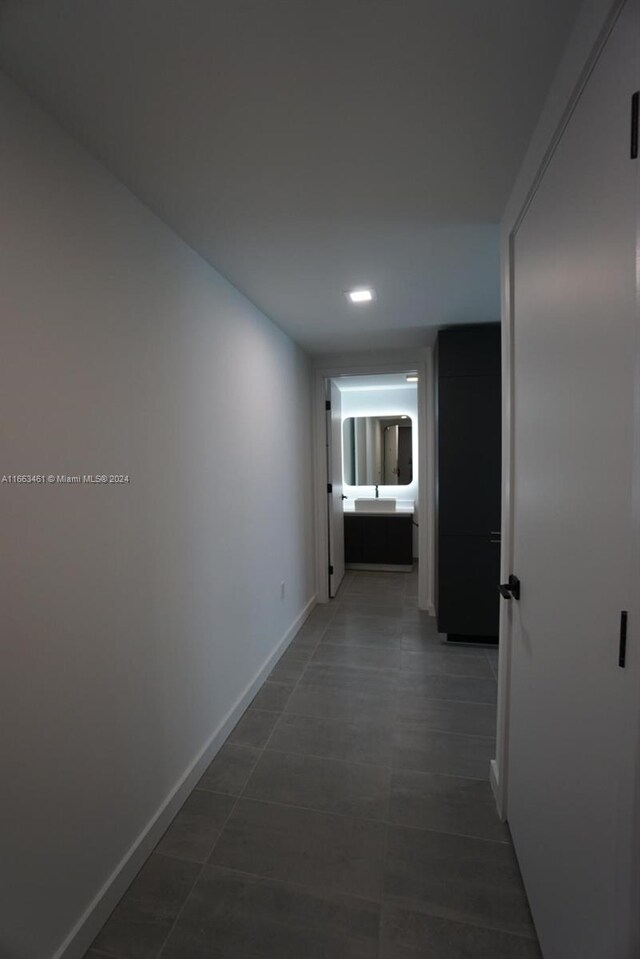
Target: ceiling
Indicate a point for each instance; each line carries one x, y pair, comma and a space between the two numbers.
304, 147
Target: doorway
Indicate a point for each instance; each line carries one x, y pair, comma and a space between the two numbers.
372, 457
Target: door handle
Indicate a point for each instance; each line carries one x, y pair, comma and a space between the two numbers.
511, 589
622, 649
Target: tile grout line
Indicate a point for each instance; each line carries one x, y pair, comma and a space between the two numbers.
285, 882
365, 667
390, 768
463, 922
385, 669
226, 821
195, 882
280, 714
355, 762
295, 686
386, 822
403, 722
323, 812
349, 816
453, 702
383, 899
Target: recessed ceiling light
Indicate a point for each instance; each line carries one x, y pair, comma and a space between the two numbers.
404, 417
363, 295
412, 378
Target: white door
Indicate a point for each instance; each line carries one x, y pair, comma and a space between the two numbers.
334, 469
573, 736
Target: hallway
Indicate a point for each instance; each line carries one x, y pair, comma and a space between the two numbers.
349, 815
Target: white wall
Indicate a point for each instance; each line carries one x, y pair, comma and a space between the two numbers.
134, 616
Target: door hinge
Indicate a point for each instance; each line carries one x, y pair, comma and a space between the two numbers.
327, 405
329, 487
635, 106
622, 648
330, 570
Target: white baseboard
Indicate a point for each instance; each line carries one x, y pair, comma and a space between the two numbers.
88, 926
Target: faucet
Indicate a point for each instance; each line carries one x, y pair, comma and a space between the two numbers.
377, 493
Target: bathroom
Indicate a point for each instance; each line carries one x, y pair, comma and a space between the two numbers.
380, 476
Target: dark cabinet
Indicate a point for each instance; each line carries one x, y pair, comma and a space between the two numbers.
468, 424
378, 540
468, 605
469, 445
469, 350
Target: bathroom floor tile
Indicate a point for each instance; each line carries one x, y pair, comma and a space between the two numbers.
320, 613
193, 833
452, 662
478, 719
341, 702
332, 738
233, 915
456, 877
417, 637
273, 696
463, 689
359, 606
311, 633
360, 632
374, 596
290, 672
431, 750
352, 677
297, 653
368, 656
464, 807
254, 728
327, 785
230, 770
144, 916
337, 854
412, 615
412, 934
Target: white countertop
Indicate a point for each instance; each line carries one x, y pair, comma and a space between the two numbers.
402, 509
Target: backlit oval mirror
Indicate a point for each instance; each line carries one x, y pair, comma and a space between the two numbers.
377, 450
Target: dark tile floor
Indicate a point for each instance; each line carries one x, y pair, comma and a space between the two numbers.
349, 814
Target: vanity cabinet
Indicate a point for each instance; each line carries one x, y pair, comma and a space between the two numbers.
468, 425
371, 540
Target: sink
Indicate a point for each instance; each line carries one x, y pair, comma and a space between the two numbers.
375, 505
